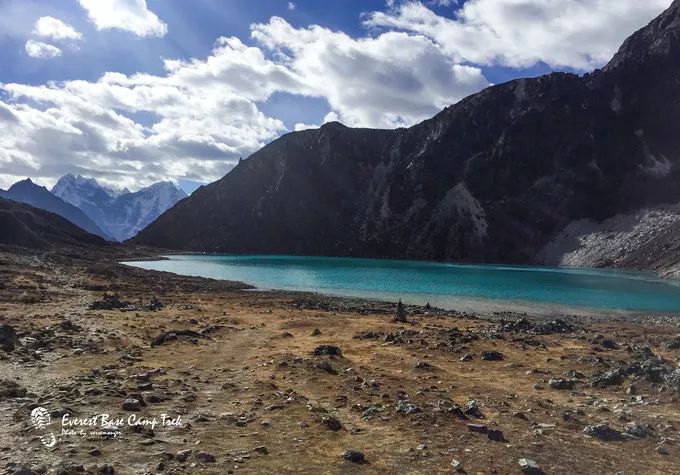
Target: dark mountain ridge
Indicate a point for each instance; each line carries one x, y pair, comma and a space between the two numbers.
27, 192
26, 226
495, 177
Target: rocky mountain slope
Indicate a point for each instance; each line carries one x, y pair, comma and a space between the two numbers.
497, 177
27, 226
121, 214
27, 192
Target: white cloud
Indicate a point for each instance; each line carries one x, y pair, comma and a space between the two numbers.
291, 6
197, 118
127, 15
581, 34
204, 118
38, 49
55, 29
330, 117
392, 80
302, 126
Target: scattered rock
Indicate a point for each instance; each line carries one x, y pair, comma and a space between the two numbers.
69, 326
529, 467
8, 338
182, 455
466, 357
423, 365
401, 315
636, 430
492, 356
471, 409
316, 332
109, 302
608, 344
662, 450
614, 377
154, 304
371, 411
174, 335
457, 466
407, 407
11, 389
132, 404
673, 344
205, 457
327, 350
331, 422
525, 325
478, 428
326, 366
495, 435
24, 471
261, 449
559, 383
602, 432
354, 456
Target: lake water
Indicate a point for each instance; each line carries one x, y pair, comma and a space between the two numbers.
453, 286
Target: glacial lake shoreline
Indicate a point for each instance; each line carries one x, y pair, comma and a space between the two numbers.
483, 289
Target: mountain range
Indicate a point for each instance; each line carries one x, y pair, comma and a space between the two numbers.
27, 226
122, 214
557, 169
27, 192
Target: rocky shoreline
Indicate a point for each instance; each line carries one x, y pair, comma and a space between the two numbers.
208, 376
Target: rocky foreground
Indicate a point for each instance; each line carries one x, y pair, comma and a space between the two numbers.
202, 376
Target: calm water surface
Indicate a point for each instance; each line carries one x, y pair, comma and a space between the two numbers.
445, 285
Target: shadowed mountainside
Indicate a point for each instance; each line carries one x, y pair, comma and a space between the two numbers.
27, 192
26, 226
496, 177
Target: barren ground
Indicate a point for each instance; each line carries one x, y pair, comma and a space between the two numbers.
251, 392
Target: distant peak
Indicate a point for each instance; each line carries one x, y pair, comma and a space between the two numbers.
27, 182
333, 125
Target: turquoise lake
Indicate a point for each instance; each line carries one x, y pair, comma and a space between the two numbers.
453, 286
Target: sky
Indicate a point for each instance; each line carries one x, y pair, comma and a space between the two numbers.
131, 92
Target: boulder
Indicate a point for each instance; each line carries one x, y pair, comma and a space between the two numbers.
8, 338
602, 432
327, 350
354, 456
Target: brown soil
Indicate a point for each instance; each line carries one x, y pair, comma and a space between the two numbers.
251, 380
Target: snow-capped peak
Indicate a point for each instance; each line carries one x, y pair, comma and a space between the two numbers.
120, 213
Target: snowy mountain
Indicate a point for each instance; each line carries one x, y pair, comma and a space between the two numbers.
121, 213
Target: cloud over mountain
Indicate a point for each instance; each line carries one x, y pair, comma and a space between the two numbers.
580, 34
197, 116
